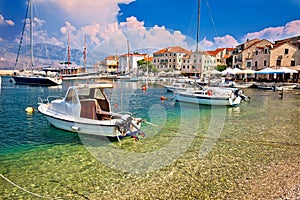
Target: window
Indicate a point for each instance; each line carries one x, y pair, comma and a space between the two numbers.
293, 63
265, 63
248, 64
266, 51
278, 63
255, 64
286, 51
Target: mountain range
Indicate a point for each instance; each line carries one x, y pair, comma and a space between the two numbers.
44, 54
48, 55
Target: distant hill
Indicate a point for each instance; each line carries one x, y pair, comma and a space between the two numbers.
44, 54
48, 54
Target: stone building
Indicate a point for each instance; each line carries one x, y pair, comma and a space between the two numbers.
223, 56
200, 62
110, 64
170, 58
243, 53
275, 56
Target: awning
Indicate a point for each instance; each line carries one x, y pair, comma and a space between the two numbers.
246, 71
269, 70
288, 70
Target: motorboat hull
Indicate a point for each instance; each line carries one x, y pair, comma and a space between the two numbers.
106, 128
207, 98
203, 100
35, 80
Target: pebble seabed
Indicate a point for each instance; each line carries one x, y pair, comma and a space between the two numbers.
255, 157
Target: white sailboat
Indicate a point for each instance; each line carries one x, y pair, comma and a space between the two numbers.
44, 77
210, 95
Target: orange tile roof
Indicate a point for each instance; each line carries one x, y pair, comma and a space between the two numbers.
175, 49
110, 57
227, 56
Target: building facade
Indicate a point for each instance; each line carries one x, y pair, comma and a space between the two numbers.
223, 56
170, 58
243, 54
128, 62
201, 62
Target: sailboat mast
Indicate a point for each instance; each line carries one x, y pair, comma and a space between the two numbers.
69, 53
198, 26
31, 32
84, 52
128, 58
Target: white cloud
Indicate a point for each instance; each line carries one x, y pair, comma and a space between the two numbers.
97, 20
6, 22
225, 41
102, 12
68, 28
276, 33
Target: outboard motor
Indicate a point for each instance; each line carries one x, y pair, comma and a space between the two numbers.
124, 124
243, 96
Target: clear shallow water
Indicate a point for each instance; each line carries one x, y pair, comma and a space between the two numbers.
179, 153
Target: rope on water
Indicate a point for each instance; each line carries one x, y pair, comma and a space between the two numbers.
23, 188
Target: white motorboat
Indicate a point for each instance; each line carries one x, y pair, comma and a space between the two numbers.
212, 96
177, 87
86, 109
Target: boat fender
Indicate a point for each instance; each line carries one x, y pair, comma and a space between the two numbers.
136, 139
163, 98
209, 92
75, 128
29, 110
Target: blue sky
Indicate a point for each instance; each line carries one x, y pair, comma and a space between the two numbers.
108, 24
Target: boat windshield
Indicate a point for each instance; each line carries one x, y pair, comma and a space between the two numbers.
71, 96
98, 94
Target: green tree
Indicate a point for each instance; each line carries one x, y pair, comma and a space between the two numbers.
144, 65
221, 67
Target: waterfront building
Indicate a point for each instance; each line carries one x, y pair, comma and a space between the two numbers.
275, 56
128, 62
223, 56
200, 62
243, 53
108, 65
170, 58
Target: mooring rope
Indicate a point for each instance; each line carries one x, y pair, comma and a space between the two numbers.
23, 188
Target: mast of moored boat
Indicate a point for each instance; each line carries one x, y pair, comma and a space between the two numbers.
69, 52
31, 34
84, 53
128, 57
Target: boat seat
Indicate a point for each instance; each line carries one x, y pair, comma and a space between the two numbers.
88, 109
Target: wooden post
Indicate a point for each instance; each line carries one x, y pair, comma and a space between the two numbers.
281, 94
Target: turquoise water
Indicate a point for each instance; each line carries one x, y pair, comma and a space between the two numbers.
189, 152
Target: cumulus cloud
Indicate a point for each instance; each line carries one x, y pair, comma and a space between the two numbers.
97, 21
225, 41
6, 22
276, 33
102, 12
68, 28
